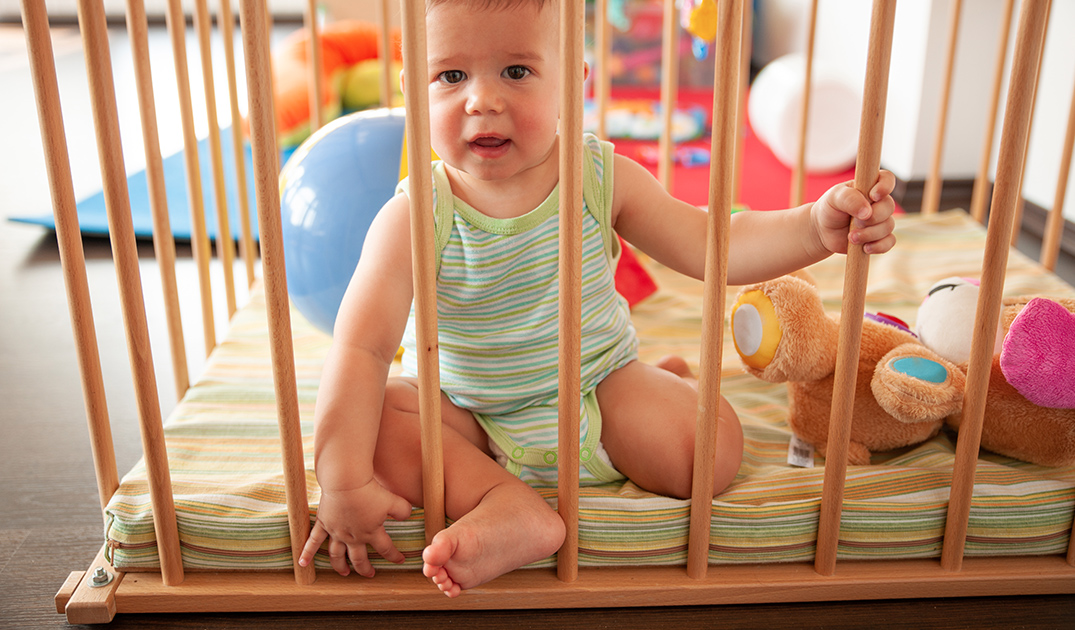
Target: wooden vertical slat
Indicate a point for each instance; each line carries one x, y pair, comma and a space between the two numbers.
867, 167
269, 22
798, 174
313, 55
225, 246
69, 239
163, 241
266, 170
423, 256
572, 33
931, 197
980, 196
1071, 545
669, 87
602, 80
247, 249
1017, 221
1050, 248
744, 93
728, 47
199, 238
1001, 217
386, 53
91, 20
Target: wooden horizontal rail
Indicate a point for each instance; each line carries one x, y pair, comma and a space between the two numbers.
600, 588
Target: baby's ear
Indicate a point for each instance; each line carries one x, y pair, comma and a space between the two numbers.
402, 83
585, 70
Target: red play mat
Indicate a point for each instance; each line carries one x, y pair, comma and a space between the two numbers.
765, 183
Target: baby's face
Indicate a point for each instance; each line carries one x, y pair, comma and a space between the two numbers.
494, 85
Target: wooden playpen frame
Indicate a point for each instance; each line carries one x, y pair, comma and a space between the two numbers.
96, 595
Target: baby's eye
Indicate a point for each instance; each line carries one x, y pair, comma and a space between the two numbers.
516, 73
452, 76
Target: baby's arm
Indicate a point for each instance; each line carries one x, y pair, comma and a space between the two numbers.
347, 416
763, 245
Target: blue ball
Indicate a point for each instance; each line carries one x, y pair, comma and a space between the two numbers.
332, 187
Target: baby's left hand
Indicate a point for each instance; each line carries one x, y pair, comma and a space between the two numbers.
873, 223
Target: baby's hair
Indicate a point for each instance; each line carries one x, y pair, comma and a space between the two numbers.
496, 5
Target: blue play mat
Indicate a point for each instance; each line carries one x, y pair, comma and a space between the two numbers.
93, 219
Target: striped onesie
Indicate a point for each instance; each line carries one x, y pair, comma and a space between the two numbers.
497, 293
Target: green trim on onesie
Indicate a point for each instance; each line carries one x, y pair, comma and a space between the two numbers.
520, 456
597, 192
515, 225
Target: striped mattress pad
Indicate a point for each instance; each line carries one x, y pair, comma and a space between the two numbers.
223, 449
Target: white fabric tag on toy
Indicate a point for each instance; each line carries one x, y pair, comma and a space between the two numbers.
800, 453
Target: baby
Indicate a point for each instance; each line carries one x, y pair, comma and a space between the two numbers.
494, 84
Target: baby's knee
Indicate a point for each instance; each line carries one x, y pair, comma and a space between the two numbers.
729, 448
400, 397
727, 456
399, 411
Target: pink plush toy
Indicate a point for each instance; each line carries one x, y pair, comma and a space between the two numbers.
1038, 358
1030, 407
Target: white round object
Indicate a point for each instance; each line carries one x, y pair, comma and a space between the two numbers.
945, 320
775, 110
748, 329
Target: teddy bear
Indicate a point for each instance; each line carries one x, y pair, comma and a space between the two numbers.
1030, 404
905, 389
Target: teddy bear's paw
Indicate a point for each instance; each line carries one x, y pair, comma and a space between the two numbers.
756, 329
857, 454
912, 384
1038, 358
782, 333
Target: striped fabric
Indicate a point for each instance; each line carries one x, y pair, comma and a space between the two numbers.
497, 308
223, 446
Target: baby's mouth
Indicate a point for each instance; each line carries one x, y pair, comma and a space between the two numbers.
489, 142
490, 147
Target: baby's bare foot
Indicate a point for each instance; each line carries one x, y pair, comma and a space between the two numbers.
510, 528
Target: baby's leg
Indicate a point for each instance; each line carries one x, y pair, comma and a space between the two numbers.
500, 523
678, 365
649, 416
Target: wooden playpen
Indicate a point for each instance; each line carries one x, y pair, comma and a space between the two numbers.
97, 594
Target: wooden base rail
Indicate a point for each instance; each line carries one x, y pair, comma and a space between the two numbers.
541, 588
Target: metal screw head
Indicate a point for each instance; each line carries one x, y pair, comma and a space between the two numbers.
100, 577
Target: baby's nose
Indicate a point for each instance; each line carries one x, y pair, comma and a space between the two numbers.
484, 98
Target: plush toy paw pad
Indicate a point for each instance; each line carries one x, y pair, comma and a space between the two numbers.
755, 329
1038, 358
922, 369
914, 386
